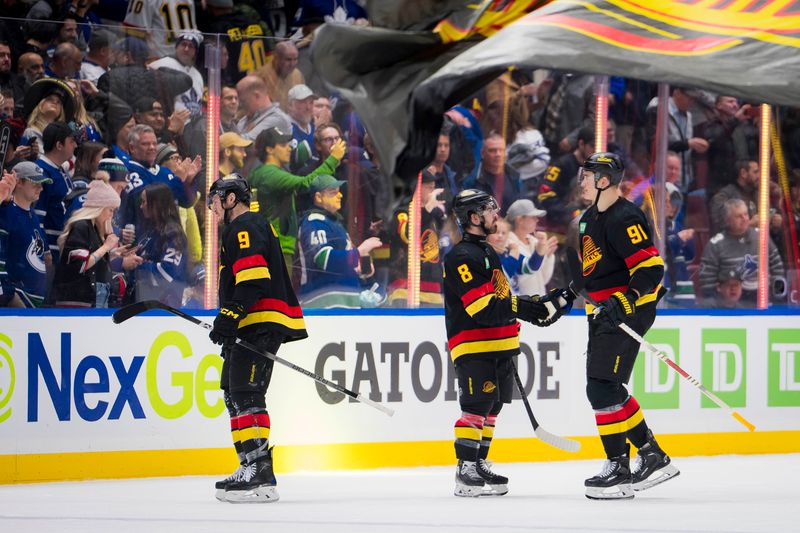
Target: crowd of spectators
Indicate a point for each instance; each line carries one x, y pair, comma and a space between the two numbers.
104, 106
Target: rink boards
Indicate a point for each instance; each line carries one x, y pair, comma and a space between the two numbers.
83, 398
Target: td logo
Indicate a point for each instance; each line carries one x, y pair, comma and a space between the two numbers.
784, 368
725, 365
7, 377
655, 385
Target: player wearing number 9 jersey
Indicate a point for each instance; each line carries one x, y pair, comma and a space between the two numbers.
160, 22
622, 270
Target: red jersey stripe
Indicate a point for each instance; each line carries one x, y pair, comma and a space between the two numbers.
636, 258
476, 293
271, 304
249, 262
623, 413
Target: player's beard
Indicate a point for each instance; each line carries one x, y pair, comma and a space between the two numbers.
488, 230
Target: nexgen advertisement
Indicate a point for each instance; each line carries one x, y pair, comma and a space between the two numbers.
83, 384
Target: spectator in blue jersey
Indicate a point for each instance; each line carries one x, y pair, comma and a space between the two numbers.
515, 263
87, 160
163, 247
23, 247
83, 272
301, 111
59, 147
7, 292
143, 171
331, 266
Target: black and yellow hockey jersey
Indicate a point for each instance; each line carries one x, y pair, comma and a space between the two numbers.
618, 253
478, 309
253, 274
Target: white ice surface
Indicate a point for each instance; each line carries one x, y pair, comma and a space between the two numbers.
727, 494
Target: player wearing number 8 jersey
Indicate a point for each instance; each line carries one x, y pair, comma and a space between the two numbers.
483, 335
622, 270
160, 22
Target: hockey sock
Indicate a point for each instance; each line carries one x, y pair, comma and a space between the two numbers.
468, 430
613, 424
486, 435
237, 444
254, 433
637, 433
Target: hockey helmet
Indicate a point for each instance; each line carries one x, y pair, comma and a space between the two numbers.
234, 183
472, 201
606, 164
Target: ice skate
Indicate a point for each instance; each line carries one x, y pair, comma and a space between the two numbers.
497, 485
255, 484
469, 482
613, 482
223, 484
651, 466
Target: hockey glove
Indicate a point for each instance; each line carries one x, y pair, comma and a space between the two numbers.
618, 308
226, 324
529, 308
558, 303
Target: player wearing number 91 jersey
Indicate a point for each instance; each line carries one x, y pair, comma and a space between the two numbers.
622, 271
161, 21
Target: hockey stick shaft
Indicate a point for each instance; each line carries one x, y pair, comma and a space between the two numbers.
132, 310
578, 289
544, 435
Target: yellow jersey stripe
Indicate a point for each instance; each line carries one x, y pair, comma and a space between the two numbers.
488, 432
272, 316
646, 299
479, 304
622, 427
500, 345
252, 273
651, 262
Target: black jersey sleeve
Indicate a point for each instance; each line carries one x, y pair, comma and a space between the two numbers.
484, 292
631, 239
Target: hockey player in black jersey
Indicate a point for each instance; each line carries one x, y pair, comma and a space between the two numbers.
483, 335
622, 271
257, 305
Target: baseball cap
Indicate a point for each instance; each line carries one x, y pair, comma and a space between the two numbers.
270, 137
300, 92
28, 170
324, 181
226, 140
524, 207
729, 274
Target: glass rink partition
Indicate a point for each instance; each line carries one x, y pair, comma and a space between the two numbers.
209, 97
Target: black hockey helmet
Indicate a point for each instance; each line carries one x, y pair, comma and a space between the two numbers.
234, 183
606, 164
472, 201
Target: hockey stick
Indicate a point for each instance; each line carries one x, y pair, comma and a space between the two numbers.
576, 286
132, 310
545, 436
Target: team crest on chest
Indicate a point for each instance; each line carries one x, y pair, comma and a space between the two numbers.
591, 255
500, 282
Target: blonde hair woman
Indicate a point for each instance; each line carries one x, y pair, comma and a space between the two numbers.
47, 100
83, 274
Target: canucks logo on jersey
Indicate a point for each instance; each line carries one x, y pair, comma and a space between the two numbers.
35, 252
591, 255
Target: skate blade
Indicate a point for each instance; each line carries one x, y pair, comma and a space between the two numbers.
263, 494
220, 495
617, 492
495, 490
657, 478
468, 491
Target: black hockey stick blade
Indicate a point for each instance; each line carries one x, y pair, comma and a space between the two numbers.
545, 436
129, 311
5, 138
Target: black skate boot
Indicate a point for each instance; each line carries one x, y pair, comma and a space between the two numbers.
651, 466
223, 484
469, 482
255, 484
613, 482
498, 485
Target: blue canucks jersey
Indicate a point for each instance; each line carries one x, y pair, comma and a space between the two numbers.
24, 244
50, 207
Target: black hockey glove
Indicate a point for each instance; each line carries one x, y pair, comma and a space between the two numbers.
226, 324
529, 308
558, 303
618, 308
